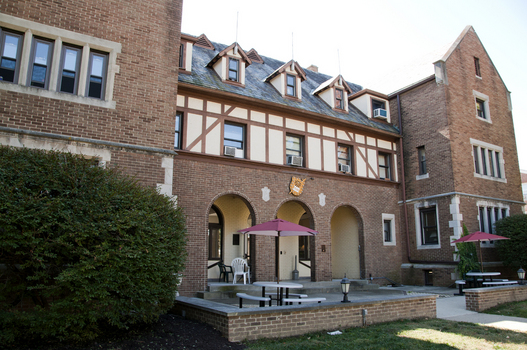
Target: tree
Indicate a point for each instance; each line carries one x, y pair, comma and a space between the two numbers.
87, 246
512, 251
468, 257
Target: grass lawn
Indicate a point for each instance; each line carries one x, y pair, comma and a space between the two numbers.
516, 309
417, 334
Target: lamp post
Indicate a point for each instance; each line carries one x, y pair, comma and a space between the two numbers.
345, 287
521, 275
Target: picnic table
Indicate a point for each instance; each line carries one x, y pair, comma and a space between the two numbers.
279, 289
484, 275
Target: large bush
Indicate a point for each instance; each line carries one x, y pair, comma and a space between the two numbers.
513, 251
88, 246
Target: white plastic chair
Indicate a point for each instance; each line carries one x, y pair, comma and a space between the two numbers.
238, 268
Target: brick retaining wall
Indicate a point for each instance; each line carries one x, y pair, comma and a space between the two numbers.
480, 299
286, 321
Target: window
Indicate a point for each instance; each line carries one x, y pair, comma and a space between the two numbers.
215, 235
234, 70
388, 224
429, 231
339, 98
376, 104
480, 106
345, 158
304, 253
291, 85
293, 145
422, 160
70, 65
182, 56
384, 166
488, 214
40, 63
487, 161
11, 47
234, 136
178, 129
476, 66
97, 75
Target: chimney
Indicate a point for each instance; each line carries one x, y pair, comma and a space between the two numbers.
313, 68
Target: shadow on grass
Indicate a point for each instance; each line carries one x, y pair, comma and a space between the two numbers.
415, 334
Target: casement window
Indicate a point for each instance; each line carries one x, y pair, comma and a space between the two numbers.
482, 106
488, 214
83, 70
290, 85
345, 158
429, 227
10, 50
488, 161
234, 140
476, 66
384, 167
234, 69
388, 224
69, 69
422, 160
339, 98
40, 64
294, 150
178, 130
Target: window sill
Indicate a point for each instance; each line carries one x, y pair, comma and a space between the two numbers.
56, 95
486, 177
421, 177
389, 244
483, 119
429, 246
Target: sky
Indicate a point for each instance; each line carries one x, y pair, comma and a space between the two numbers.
362, 40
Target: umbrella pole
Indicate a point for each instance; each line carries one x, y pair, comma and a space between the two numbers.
480, 256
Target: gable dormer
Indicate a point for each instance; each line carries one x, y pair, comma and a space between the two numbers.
185, 53
287, 80
372, 103
254, 56
230, 64
335, 92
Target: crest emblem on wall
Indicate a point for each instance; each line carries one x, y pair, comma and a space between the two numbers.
296, 186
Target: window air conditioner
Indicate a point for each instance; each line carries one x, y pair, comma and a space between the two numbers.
229, 151
380, 113
294, 160
344, 168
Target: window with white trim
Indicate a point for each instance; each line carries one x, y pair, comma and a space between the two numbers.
427, 225
59, 63
385, 171
178, 130
234, 69
388, 225
345, 158
290, 85
482, 106
488, 161
234, 140
488, 214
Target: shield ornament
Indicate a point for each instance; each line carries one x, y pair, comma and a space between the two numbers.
296, 186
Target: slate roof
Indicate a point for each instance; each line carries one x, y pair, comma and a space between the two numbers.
255, 87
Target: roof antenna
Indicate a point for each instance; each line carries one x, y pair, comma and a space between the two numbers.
292, 52
340, 76
236, 42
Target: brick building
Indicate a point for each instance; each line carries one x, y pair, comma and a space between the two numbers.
104, 81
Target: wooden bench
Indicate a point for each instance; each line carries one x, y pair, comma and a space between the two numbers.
498, 283
460, 284
303, 300
262, 300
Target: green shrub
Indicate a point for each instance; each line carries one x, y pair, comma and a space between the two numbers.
468, 257
513, 251
88, 246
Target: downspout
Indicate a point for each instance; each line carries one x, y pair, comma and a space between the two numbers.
403, 180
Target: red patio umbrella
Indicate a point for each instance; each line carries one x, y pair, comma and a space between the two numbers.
479, 236
279, 228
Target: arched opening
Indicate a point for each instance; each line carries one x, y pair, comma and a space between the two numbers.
227, 215
345, 243
295, 252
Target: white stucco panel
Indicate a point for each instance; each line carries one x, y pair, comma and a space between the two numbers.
258, 116
295, 124
214, 107
276, 120
257, 143
363, 103
315, 154
194, 126
330, 132
372, 161
384, 144
195, 103
371, 141
313, 128
213, 141
330, 156
342, 135
239, 113
359, 138
180, 101
360, 155
276, 146
210, 121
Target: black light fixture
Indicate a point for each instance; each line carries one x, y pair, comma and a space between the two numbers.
345, 287
521, 275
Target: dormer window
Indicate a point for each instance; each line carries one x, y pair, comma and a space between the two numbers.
234, 69
373, 104
339, 98
291, 85
335, 92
